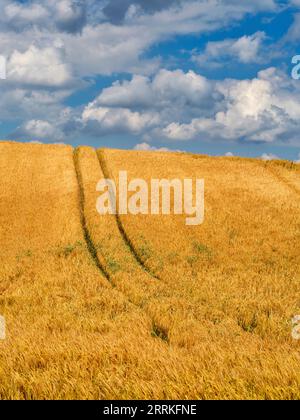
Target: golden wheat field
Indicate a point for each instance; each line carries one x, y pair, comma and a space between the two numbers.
145, 307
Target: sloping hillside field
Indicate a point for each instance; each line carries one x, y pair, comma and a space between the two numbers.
144, 306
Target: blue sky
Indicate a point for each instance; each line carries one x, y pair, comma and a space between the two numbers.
209, 76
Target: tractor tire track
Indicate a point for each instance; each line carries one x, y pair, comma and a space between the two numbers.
282, 179
126, 238
157, 331
89, 242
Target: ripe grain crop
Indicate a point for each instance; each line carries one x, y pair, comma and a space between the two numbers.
144, 306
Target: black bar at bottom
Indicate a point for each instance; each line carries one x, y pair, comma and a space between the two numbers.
103, 409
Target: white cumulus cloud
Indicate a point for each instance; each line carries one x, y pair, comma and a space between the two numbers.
269, 157
105, 120
39, 130
145, 147
42, 67
263, 109
246, 49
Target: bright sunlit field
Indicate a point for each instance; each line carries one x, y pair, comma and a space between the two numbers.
143, 306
